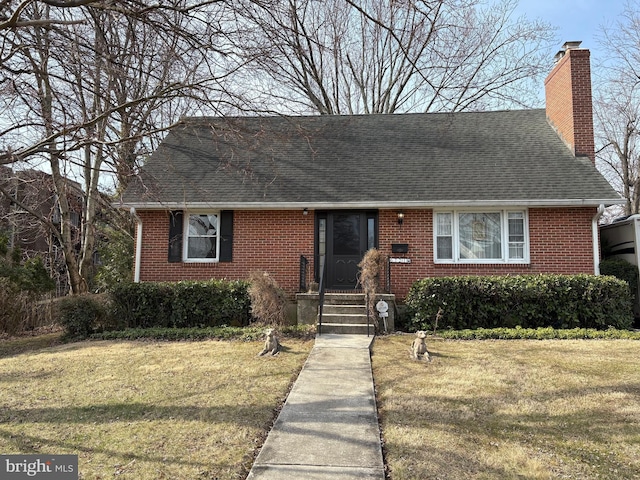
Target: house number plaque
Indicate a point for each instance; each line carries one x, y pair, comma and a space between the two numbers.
400, 260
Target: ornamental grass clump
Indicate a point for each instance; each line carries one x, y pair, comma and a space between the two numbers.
371, 267
24, 284
15, 312
268, 300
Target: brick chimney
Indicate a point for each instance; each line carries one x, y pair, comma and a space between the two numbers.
568, 98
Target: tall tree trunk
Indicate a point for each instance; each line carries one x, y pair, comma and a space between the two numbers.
40, 63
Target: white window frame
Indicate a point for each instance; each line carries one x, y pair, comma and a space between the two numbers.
185, 237
504, 233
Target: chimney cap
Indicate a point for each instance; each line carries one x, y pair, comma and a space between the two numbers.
572, 44
567, 46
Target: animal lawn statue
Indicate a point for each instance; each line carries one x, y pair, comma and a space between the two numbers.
419, 347
271, 344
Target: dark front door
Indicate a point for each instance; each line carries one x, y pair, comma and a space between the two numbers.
348, 236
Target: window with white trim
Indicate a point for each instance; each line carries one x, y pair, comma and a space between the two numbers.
473, 236
202, 239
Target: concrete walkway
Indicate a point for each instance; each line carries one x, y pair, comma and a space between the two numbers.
328, 427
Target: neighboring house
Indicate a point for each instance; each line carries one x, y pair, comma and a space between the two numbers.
503, 192
34, 189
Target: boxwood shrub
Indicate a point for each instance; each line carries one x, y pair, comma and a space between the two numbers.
84, 315
527, 301
182, 304
621, 269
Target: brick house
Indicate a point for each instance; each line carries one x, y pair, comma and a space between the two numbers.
482, 193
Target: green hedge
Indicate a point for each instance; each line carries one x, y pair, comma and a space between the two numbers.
527, 301
250, 333
84, 315
181, 304
622, 269
542, 333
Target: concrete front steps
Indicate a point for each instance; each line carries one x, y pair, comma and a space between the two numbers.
345, 313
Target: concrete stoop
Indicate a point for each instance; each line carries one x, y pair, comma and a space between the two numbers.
345, 313
342, 312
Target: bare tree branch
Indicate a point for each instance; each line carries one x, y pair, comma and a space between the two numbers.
94, 85
14, 19
617, 106
382, 57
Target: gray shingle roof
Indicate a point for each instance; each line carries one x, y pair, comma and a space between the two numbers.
482, 158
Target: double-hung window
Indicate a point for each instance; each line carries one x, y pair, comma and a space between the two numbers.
202, 237
497, 236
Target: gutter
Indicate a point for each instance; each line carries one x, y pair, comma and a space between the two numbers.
371, 204
138, 257
596, 239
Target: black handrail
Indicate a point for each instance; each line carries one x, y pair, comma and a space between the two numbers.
321, 293
388, 276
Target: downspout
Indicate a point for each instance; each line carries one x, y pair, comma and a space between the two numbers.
596, 239
138, 257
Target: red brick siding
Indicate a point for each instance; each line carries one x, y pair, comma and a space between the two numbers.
262, 240
417, 231
569, 101
560, 242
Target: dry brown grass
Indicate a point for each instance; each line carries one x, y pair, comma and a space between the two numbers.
198, 410
512, 409
146, 410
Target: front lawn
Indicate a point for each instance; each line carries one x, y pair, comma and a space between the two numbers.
482, 409
145, 410
510, 409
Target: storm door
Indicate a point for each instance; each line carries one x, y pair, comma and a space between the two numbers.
344, 237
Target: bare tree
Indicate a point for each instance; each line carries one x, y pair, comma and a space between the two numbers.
343, 56
617, 106
87, 88
12, 12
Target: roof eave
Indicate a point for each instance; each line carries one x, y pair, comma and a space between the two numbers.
368, 205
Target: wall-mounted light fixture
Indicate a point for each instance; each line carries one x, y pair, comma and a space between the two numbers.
400, 217
305, 211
